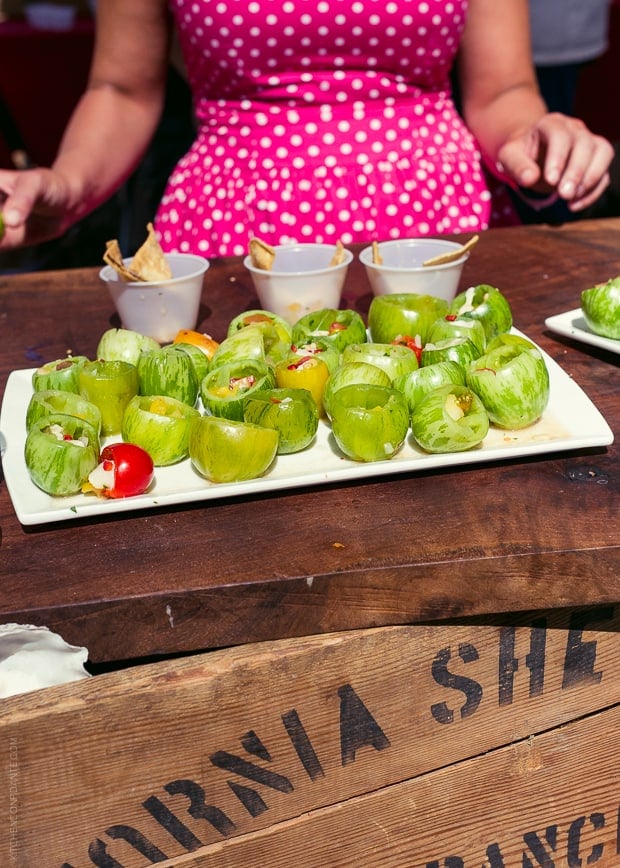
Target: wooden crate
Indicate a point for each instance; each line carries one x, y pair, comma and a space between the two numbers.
427, 747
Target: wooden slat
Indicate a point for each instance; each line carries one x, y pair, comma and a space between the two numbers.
266, 733
552, 801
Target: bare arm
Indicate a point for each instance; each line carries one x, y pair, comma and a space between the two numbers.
109, 130
507, 115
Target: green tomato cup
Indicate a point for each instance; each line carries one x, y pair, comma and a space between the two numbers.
394, 359
600, 306
110, 386
224, 389
51, 401
200, 361
323, 350
257, 340
160, 425
369, 422
391, 317
261, 317
416, 384
293, 413
169, 371
124, 345
512, 381
486, 304
452, 327
60, 374
349, 374
460, 350
337, 327
450, 418
59, 453
224, 450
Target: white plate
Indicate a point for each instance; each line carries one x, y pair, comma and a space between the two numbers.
573, 325
571, 421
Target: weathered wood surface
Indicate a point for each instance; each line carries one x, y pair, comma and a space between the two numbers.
395, 746
502, 537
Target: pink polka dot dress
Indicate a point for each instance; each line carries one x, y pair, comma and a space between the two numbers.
321, 120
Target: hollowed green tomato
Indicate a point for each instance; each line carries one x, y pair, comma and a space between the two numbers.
60, 451
450, 418
200, 360
124, 345
61, 374
160, 425
417, 384
337, 327
258, 317
291, 412
110, 386
600, 306
169, 371
224, 450
225, 388
405, 313
258, 340
394, 359
329, 353
349, 374
51, 401
303, 372
451, 326
369, 423
459, 350
513, 383
508, 339
486, 304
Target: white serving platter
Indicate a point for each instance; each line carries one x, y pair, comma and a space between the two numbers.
573, 325
570, 422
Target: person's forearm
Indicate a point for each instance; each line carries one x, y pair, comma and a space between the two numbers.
499, 88
506, 114
103, 143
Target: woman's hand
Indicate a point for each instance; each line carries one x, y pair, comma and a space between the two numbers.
35, 206
558, 154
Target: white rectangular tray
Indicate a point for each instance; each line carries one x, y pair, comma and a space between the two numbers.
573, 325
570, 422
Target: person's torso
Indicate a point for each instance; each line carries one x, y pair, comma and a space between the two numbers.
311, 51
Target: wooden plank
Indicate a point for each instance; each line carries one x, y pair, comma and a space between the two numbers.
551, 801
187, 754
399, 550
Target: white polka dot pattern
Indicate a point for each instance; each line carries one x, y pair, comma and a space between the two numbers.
321, 120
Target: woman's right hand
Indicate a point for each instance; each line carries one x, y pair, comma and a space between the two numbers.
35, 206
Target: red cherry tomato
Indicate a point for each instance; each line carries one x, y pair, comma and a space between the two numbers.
132, 467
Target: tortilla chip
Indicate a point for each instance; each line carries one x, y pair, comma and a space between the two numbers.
338, 256
114, 258
150, 261
376, 256
261, 254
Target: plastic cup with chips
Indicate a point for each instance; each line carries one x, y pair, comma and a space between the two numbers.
155, 293
295, 279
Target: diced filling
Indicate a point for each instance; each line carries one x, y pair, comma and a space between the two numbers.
102, 477
458, 406
234, 387
59, 433
468, 304
160, 407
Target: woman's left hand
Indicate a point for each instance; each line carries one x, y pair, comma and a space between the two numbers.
558, 154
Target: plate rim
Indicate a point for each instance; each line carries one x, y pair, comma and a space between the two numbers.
562, 324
